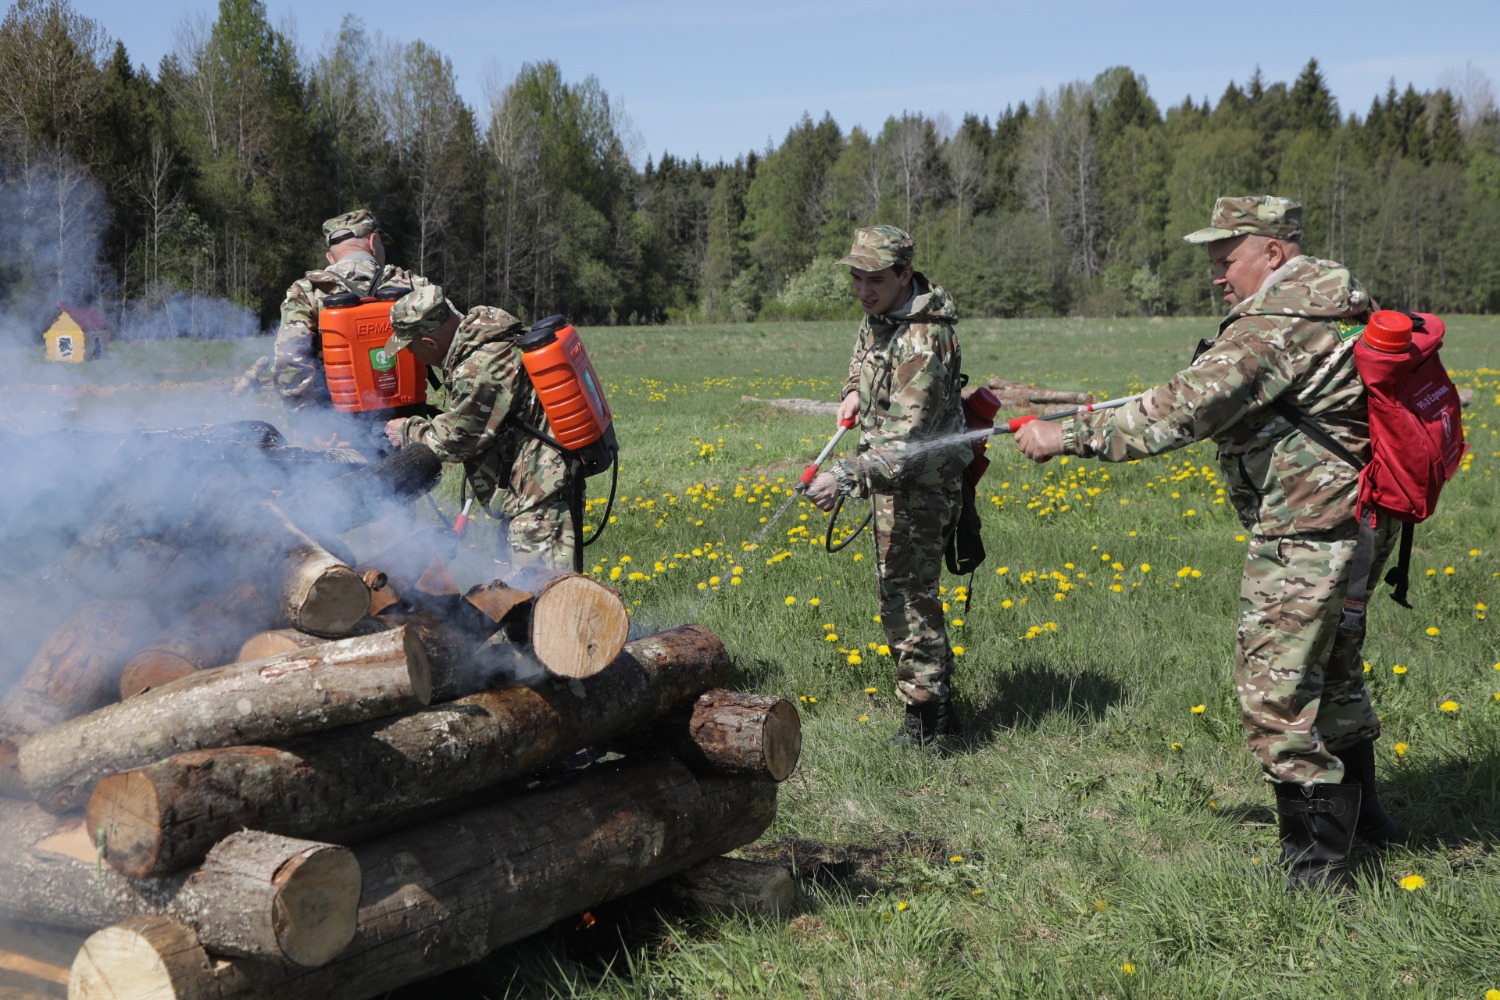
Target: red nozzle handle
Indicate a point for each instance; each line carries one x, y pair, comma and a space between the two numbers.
810, 473
846, 424
1015, 423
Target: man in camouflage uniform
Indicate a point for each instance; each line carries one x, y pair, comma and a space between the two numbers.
356, 252
903, 387
1287, 340
490, 397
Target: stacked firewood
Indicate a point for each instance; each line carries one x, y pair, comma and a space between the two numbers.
332, 776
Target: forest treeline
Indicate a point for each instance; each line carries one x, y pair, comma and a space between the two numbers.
129, 189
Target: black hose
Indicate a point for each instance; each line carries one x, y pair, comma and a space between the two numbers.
833, 517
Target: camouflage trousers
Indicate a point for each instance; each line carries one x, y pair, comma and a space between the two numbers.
541, 536
910, 530
1299, 679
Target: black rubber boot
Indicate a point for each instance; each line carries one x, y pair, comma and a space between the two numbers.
1317, 831
929, 723
1375, 825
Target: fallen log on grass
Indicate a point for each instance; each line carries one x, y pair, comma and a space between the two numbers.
445, 895
257, 895
335, 684
167, 814
734, 884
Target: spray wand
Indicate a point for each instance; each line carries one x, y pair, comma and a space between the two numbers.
811, 472
1016, 423
462, 520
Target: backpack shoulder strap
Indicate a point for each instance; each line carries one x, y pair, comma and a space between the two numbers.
1307, 425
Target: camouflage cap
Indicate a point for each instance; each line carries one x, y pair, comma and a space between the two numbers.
1251, 215
879, 247
416, 314
350, 225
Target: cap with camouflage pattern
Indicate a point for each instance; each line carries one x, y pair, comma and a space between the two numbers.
350, 226
1251, 215
879, 247
416, 314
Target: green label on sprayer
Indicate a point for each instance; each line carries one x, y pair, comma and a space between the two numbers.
381, 361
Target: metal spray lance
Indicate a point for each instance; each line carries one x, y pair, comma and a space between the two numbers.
1015, 423
810, 473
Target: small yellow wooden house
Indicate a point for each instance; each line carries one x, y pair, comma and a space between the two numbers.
78, 334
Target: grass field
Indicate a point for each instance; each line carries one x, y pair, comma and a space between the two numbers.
1106, 834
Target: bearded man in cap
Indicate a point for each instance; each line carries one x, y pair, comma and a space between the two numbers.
1284, 353
903, 388
356, 263
492, 412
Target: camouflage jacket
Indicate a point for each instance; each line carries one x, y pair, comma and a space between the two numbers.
486, 383
297, 364
1293, 340
906, 369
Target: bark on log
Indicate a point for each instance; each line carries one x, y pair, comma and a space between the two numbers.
77, 669
447, 894
257, 895
720, 884
207, 636
338, 683
729, 732
278, 641
319, 593
166, 815
578, 626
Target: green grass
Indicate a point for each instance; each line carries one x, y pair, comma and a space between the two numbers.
1099, 838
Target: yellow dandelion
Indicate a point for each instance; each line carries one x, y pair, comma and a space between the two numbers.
1128, 968
903, 905
1199, 709
1448, 706
870, 690
1398, 670
830, 637
958, 651
1449, 571
790, 601
1367, 666
1412, 883
814, 602
1434, 630
1145, 567
959, 622
1400, 749
955, 859
702, 585
1174, 746
1491, 994
854, 658
884, 650
863, 718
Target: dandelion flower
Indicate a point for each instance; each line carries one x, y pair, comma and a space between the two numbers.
814, 602
903, 905
1412, 883
1434, 630
1400, 749
1491, 994
830, 637
1175, 746
1448, 706
870, 690
854, 658
958, 651
863, 718
1145, 567
790, 601
1128, 968
1199, 709
1398, 670
884, 650
955, 859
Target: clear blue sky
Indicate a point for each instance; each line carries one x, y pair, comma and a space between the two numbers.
719, 79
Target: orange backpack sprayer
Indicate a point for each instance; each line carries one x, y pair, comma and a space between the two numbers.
361, 376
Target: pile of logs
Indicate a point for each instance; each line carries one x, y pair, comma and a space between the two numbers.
334, 776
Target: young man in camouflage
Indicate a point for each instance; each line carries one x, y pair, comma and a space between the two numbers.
1288, 339
355, 254
490, 396
903, 387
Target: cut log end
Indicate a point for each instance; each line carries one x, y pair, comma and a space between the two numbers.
578, 626
782, 740
334, 602
420, 664
151, 669
122, 816
729, 732
139, 957
317, 904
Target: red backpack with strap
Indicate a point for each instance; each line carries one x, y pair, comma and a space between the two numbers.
1416, 441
